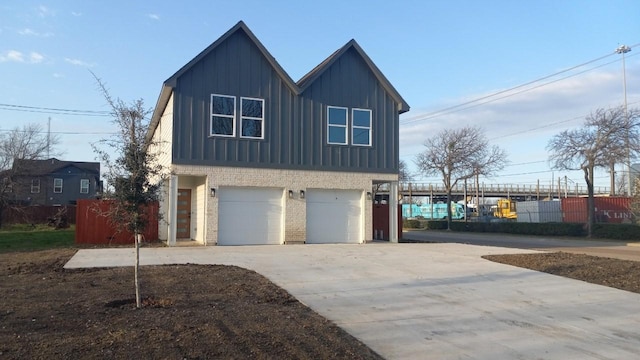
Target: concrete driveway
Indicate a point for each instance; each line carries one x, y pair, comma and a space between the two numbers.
437, 301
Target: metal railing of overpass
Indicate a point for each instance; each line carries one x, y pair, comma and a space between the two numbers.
495, 190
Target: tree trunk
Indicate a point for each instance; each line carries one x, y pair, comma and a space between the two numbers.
138, 239
448, 208
591, 206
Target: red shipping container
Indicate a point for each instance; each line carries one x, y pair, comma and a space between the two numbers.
93, 228
610, 209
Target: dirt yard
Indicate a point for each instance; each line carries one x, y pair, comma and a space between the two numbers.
190, 312
196, 311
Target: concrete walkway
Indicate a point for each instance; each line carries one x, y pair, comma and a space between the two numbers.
436, 301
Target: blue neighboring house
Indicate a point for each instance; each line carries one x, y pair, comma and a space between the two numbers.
54, 182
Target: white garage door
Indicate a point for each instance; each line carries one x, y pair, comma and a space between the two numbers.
249, 216
334, 216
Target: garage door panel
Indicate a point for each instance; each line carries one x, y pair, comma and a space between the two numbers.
334, 216
250, 216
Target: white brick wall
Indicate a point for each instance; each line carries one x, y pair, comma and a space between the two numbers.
296, 180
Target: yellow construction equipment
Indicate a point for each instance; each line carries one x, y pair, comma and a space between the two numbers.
506, 209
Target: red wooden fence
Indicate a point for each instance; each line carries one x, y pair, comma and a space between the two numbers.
381, 221
94, 228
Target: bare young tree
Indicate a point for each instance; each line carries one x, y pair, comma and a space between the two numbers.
134, 176
26, 143
607, 136
459, 154
403, 172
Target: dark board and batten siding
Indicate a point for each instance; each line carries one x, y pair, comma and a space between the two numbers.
295, 125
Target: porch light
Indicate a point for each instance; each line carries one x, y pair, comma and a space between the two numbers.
213, 192
290, 194
301, 194
368, 195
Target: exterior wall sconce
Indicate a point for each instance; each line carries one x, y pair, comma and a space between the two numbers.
302, 194
368, 195
213, 192
290, 194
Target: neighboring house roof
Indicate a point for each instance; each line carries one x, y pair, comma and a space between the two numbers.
48, 166
296, 88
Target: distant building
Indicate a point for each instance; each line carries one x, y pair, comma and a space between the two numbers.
53, 181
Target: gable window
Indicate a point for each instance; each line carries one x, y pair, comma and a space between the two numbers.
336, 125
251, 118
35, 186
57, 185
361, 127
223, 115
84, 186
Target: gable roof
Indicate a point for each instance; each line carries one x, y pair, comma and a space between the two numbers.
296, 88
48, 166
314, 74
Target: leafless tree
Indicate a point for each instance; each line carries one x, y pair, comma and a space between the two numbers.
459, 154
26, 143
135, 175
403, 172
607, 136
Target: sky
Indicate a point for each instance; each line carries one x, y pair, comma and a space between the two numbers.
441, 56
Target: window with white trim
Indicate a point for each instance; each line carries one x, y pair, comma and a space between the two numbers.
361, 127
84, 186
251, 118
57, 185
35, 186
337, 125
223, 115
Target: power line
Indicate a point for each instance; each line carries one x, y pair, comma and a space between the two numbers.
56, 111
463, 106
62, 132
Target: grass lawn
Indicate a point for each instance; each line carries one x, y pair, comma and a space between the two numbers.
24, 238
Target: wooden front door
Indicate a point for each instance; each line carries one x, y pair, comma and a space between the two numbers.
183, 226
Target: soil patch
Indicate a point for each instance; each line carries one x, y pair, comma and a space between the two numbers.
190, 312
619, 274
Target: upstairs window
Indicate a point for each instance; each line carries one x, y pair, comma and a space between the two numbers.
337, 125
223, 115
361, 127
57, 186
35, 186
252, 118
84, 186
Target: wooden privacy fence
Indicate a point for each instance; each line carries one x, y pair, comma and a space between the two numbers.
92, 227
381, 222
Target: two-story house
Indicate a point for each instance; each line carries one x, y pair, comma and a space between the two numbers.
53, 181
257, 158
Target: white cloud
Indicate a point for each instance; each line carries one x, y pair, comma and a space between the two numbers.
44, 11
18, 56
153, 16
78, 62
58, 75
12, 56
75, 13
35, 57
31, 32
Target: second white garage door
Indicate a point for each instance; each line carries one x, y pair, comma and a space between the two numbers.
250, 216
334, 216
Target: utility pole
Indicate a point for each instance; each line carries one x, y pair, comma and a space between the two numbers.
623, 49
49, 138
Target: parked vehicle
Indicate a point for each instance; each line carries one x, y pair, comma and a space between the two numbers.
432, 211
505, 209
